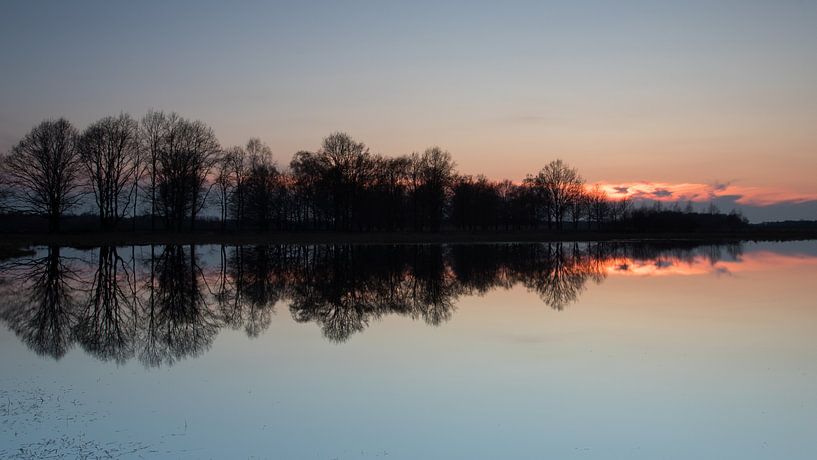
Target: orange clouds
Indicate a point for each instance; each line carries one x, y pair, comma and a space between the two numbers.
662, 191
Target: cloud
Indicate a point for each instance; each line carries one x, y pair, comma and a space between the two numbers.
696, 192
757, 203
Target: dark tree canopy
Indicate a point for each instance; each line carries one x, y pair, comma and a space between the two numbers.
188, 153
43, 170
109, 152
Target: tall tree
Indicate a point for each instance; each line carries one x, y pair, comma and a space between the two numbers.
599, 206
225, 185
5, 192
153, 128
109, 152
262, 187
335, 178
560, 184
43, 170
189, 152
346, 165
238, 167
436, 175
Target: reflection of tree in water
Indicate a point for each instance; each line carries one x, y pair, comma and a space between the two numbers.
333, 288
344, 288
561, 274
558, 272
107, 321
177, 320
258, 282
39, 302
172, 306
432, 287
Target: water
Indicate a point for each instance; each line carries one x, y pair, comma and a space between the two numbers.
415, 351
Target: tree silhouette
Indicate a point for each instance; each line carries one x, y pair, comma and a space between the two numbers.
184, 325
40, 304
109, 152
189, 152
559, 185
152, 131
43, 170
172, 305
107, 322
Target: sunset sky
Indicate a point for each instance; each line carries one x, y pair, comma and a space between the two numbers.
696, 100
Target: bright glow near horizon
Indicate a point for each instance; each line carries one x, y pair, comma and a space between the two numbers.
665, 95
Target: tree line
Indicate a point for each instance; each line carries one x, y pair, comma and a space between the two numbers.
172, 170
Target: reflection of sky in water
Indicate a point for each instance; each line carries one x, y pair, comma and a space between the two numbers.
691, 364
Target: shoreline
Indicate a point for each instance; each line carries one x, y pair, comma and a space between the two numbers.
14, 242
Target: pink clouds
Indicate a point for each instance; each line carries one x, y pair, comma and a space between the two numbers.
663, 191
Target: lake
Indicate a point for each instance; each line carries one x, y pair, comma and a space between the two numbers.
552, 350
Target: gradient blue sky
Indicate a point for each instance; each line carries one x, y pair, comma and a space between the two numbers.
683, 92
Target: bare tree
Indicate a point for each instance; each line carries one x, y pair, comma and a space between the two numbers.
619, 209
189, 152
5, 193
239, 164
262, 190
346, 164
578, 203
258, 149
43, 171
436, 173
109, 151
153, 128
225, 185
560, 183
599, 206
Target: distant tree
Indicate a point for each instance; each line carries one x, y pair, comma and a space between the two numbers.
5, 192
347, 166
262, 190
258, 149
475, 203
578, 203
311, 188
618, 209
225, 185
598, 206
109, 152
393, 179
238, 163
559, 184
152, 136
334, 178
43, 170
190, 151
528, 203
434, 171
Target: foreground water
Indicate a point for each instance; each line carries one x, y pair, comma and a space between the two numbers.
417, 351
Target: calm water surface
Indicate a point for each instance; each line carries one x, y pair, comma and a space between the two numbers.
415, 351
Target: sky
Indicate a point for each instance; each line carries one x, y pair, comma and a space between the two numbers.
701, 100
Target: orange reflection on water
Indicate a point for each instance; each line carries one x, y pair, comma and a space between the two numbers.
702, 265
